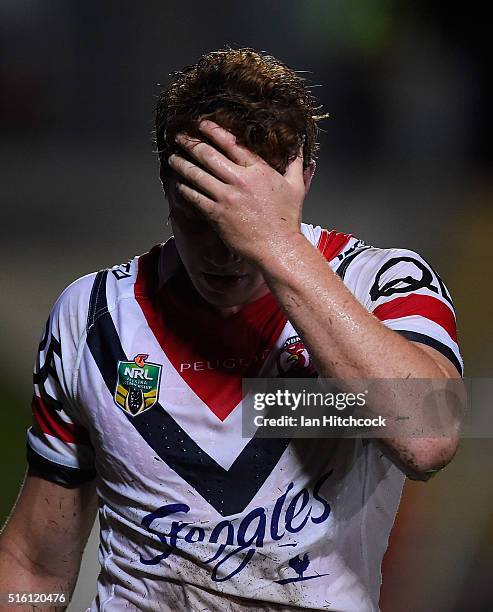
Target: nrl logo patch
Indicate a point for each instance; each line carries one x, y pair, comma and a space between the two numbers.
137, 385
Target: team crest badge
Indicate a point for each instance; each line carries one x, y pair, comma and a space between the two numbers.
137, 385
293, 359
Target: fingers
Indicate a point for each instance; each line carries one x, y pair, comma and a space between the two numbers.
209, 157
195, 175
199, 200
227, 142
294, 171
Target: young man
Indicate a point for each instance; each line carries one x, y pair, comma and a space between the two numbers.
138, 378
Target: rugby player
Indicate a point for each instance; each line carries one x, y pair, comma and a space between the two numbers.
137, 384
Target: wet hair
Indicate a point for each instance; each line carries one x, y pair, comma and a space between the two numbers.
264, 103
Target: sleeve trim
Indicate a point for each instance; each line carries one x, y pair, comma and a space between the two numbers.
52, 456
59, 474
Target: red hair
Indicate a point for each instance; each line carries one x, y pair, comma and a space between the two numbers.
263, 102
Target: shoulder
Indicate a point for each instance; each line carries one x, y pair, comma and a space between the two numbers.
374, 273
330, 243
89, 297
69, 313
347, 252
80, 302
406, 294
384, 272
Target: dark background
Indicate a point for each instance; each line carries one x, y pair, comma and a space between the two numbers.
405, 161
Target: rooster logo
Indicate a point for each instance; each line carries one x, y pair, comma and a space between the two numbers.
299, 565
294, 360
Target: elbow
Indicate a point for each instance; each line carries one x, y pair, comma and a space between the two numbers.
426, 457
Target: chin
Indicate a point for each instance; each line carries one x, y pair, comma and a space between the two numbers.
232, 293
227, 299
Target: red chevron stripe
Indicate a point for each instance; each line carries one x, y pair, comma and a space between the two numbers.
223, 350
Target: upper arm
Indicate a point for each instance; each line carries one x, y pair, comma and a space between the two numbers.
59, 441
56, 507
49, 526
406, 294
448, 369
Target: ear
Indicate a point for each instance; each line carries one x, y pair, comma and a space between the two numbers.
308, 175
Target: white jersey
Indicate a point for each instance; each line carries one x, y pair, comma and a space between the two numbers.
138, 384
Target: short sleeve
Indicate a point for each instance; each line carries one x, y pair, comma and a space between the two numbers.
402, 290
58, 443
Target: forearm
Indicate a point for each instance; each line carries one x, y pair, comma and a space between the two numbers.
19, 573
347, 342
326, 314
42, 543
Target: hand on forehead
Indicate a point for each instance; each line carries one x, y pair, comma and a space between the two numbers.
218, 141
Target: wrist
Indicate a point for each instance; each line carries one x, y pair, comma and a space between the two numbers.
280, 251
